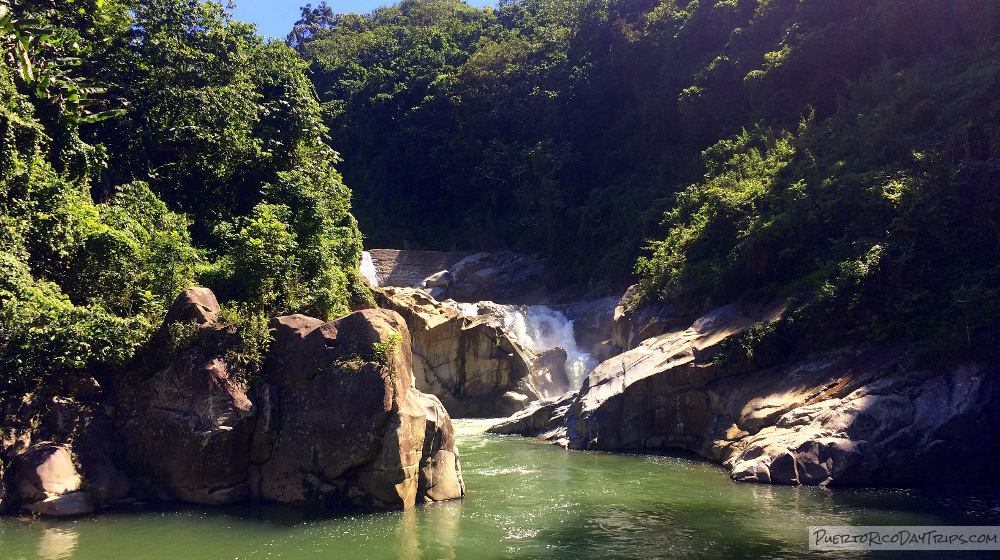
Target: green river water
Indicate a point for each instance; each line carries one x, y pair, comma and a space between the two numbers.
525, 500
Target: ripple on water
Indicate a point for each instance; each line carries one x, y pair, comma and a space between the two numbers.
524, 500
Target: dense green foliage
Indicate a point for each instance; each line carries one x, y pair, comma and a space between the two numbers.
839, 152
877, 213
146, 146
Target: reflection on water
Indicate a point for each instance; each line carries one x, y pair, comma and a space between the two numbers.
526, 500
56, 544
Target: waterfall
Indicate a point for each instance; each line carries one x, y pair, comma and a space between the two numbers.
367, 268
538, 328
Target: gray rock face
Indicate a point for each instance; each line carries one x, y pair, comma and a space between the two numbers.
43, 471
66, 505
549, 371
330, 427
632, 325
46, 482
194, 304
469, 363
352, 432
545, 419
504, 277
846, 418
904, 429
605, 350
189, 427
593, 320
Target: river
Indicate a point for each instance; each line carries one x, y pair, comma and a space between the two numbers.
525, 499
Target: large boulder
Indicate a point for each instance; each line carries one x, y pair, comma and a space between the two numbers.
549, 371
60, 432
335, 421
194, 304
47, 482
469, 362
857, 416
352, 431
189, 427
66, 505
545, 419
44, 471
904, 429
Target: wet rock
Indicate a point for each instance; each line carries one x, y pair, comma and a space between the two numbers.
45, 470
549, 371
605, 350
66, 505
844, 418
469, 363
542, 418
593, 320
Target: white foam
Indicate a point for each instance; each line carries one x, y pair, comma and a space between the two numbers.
538, 328
367, 268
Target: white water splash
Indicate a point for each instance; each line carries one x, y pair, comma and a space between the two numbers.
538, 328
367, 268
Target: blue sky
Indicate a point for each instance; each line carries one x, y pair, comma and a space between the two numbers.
274, 18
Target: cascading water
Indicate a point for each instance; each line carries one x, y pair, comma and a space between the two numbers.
538, 328
367, 268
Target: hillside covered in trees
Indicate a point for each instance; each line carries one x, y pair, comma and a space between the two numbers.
839, 152
146, 147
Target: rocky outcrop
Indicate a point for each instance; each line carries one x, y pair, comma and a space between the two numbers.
505, 277
593, 320
852, 417
470, 363
549, 371
197, 305
189, 427
633, 322
353, 432
47, 482
335, 424
544, 419
900, 429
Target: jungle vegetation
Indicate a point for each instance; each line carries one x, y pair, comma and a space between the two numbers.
839, 154
842, 154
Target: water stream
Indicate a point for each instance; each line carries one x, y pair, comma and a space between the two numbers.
538, 328
367, 268
525, 500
